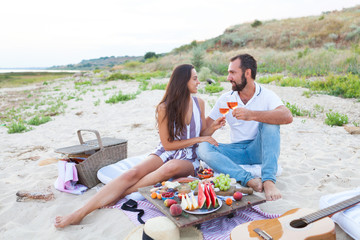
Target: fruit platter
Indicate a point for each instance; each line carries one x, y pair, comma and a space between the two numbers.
192, 195
205, 202
189, 201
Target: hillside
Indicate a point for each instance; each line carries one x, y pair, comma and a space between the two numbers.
98, 63
338, 29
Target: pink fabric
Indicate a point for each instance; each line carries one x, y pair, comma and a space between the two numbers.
67, 178
216, 229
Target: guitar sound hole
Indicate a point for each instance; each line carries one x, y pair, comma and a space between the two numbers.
298, 223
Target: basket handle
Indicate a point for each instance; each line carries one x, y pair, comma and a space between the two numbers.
90, 130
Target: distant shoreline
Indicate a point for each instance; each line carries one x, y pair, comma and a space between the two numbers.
17, 70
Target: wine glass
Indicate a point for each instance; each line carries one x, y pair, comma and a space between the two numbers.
223, 109
232, 103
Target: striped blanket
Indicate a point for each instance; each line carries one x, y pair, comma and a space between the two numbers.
216, 229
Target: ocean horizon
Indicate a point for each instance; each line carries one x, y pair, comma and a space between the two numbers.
16, 70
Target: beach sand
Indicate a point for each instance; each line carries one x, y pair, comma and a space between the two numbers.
316, 159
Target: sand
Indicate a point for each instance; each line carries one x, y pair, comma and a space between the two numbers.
317, 159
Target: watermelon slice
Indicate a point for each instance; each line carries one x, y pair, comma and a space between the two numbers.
201, 196
207, 195
213, 197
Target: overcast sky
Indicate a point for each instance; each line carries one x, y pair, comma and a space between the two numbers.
43, 33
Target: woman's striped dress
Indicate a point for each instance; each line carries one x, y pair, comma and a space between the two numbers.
191, 131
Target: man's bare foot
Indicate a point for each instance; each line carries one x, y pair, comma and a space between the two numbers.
255, 184
71, 219
271, 192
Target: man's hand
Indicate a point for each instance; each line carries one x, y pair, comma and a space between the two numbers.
279, 115
242, 114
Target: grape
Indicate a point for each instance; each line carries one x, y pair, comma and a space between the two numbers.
222, 182
193, 184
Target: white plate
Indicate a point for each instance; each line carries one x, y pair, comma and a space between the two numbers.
205, 211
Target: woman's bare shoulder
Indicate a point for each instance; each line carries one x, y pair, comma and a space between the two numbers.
200, 100
161, 107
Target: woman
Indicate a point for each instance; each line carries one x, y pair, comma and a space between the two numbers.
179, 118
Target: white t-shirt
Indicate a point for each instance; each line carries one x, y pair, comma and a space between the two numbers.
263, 100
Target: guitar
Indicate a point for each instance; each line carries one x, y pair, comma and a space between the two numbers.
295, 224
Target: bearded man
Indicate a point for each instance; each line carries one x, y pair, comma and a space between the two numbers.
254, 129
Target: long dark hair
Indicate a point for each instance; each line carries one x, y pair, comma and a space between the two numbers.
176, 100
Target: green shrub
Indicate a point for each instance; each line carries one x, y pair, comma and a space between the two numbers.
204, 74
269, 79
256, 23
319, 108
296, 111
303, 53
159, 86
219, 68
353, 65
150, 55
116, 76
120, 98
17, 127
336, 119
198, 57
270, 67
150, 60
307, 94
293, 82
38, 120
97, 103
132, 64
83, 83
143, 85
213, 88
347, 86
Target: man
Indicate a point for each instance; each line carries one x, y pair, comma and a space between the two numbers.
255, 130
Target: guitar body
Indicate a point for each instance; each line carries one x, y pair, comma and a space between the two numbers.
279, 228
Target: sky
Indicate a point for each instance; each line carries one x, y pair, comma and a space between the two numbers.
43, 33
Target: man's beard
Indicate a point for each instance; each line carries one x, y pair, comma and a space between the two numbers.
242, 85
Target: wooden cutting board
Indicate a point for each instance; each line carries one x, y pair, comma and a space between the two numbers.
194, 219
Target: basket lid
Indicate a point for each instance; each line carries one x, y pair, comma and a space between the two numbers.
90, 145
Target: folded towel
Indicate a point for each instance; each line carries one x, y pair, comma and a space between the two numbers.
67, 178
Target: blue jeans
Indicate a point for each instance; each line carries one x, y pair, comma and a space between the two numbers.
264, 150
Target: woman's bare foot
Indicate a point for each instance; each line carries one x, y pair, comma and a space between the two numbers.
271, 192
255, 184
71, 219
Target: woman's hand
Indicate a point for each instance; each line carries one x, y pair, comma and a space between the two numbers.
210, 140
218, 123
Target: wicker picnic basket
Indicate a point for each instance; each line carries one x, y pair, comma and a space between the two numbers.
100, 152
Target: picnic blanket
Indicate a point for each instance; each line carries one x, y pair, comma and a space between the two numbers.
216, 229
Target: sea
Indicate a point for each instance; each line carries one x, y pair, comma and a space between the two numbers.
10, 70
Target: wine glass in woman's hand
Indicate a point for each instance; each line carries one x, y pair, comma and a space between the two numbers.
223, 109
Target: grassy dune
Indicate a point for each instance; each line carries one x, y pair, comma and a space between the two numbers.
23, 78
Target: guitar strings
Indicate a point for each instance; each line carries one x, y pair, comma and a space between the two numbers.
312, 217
